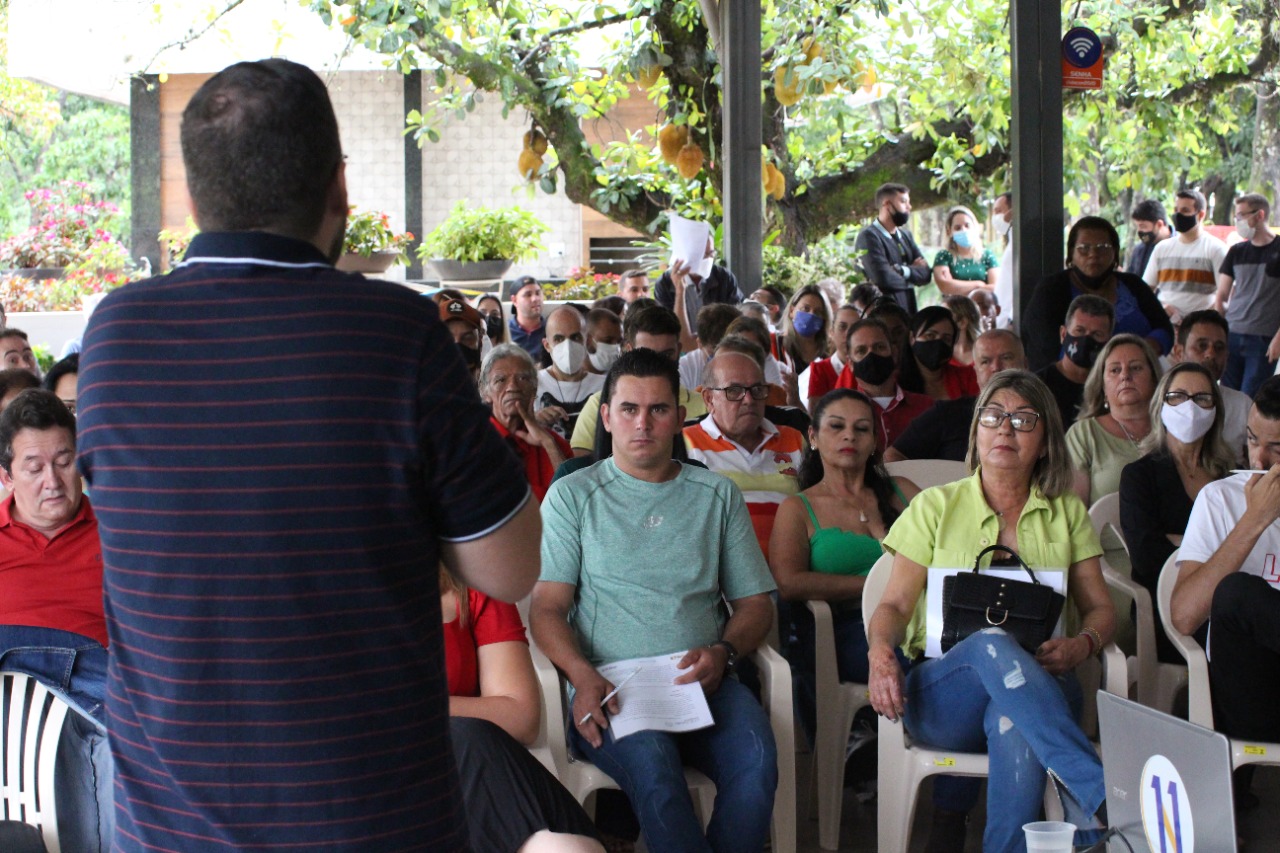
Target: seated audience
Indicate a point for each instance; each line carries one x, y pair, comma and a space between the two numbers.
942, 432
964, 265
928, 368
738, 441
1228, 578
989, 311
804, 328
1093, 266
564, 385
872, 370
968, 326
862, 295
512, 802
712, 323
604, 340
1184, 453
62, 378
466, 325
821, 374
1084, 332
491, 307
774, 300
508, 381
52, 624
15, 351
1115, 416
615, 305
618, 538
898, 323
13, 381
1018, 497
775, 372
1202, 338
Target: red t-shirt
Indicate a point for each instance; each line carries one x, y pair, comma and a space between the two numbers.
960, 380
52, 583
537, 464
490, 621
822, 378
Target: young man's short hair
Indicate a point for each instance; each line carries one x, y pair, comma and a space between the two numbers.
652, 320
889, 190
1257, 201
644, 364
713, 321
1091, 306
1195, 318
1195, 196
1268, 399
1149, 210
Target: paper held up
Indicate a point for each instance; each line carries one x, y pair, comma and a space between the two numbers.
689, 241
652, 700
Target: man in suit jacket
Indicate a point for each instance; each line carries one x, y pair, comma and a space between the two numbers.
891, 259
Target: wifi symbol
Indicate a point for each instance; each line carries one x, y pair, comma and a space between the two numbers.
1081, 46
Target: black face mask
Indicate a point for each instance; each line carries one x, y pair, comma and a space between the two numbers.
492, 325
1092, 282
874, 368
1184, 222
900, 218
931, 354
1147, 237
1082, 351
470, 357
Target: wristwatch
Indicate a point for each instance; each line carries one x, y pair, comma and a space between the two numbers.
732, 663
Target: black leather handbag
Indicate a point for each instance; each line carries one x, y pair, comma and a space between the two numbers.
972, 602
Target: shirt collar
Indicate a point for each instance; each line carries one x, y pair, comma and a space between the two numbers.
83, 514
252, 247
1036, 501
711, 428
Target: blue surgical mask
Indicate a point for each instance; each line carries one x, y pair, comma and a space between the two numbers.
806, 325
962, 239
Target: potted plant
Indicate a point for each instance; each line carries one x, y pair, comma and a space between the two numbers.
480, 243
68, 227
371, 244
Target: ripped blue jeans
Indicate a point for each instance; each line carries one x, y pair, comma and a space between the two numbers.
987, 694
737, 753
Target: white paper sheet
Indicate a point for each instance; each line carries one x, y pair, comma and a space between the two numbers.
689, 244
651, 700
1056, 580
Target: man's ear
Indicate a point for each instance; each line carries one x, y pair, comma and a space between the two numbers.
604, 417
1062, 334
6, 479
336, 199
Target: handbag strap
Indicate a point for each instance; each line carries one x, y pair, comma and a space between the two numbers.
1021, 562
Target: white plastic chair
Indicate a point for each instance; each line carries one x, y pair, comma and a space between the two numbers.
1158, 683
904, 765
582, 778
1199, 699
927, 473
32, 723
837, 703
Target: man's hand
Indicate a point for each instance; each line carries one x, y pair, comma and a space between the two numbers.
589, 690
706, 665
919, 262
532, 432
548, 416
679, 273
1262, 496
1273, 349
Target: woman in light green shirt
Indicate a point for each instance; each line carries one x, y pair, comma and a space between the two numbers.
987, 690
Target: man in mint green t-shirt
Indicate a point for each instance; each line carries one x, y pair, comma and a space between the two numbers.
639, 554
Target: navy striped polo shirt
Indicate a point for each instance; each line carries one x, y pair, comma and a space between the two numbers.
275, 450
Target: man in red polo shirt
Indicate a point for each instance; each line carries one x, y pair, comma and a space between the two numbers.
508, 382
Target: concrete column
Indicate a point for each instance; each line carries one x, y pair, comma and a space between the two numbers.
144, 173
740, 149
413, 174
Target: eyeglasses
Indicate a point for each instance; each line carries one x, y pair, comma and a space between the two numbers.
1176, 398
1094, 248
991, 418
734, 393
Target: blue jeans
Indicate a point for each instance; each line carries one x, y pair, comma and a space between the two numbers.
1247, 365
987, 694
737, 753
75, 668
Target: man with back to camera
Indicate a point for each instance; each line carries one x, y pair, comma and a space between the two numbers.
891, 259
1152, 224
1184, 271
281, 455
1249, 295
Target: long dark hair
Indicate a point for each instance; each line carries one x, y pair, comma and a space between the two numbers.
875, 476
909, 375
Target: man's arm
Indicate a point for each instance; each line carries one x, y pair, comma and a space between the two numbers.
549, 623
1225, 282
1193, 596
745, 630
876, 264
920, 273
503, 563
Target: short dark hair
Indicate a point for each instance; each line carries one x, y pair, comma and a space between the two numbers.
602, 315
1193, 194
887, 306
867, 323
35, 409
260, 146
1007, 196
1207, 315
1268, 398
866, 293
644, 364
1149, 210
615, 305
13, 332
713, 321
889, 189
634, 273
17, 379
1093, 306
1257, 201
653, 320
1094, 223
747, 325
68, 365
638, 305
780, 298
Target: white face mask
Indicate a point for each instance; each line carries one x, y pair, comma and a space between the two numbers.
1244, 229
604, 356
1003, 226
1187, 423
568, 356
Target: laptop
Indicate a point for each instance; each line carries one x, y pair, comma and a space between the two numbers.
1168, 781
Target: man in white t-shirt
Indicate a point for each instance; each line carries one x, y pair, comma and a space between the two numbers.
563, 388
1184, 271
1230, 577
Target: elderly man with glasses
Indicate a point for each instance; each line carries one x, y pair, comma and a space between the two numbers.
737, 441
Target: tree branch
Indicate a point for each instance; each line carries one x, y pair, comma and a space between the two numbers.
191, 35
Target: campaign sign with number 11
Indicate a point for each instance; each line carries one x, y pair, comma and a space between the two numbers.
1166, 812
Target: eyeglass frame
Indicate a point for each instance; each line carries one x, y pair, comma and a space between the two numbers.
1100, 249
1001, 414
1195, 398
759, 391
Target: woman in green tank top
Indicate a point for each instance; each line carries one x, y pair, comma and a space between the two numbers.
826, 538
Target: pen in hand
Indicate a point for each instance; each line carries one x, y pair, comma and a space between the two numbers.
612, 693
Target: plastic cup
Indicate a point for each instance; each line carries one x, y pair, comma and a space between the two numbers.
1049, 836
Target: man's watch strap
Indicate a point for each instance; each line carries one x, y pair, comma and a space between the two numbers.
731, 663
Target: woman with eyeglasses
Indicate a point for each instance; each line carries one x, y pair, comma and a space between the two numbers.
929, 367
1093, 266
986, 691
1184, 452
